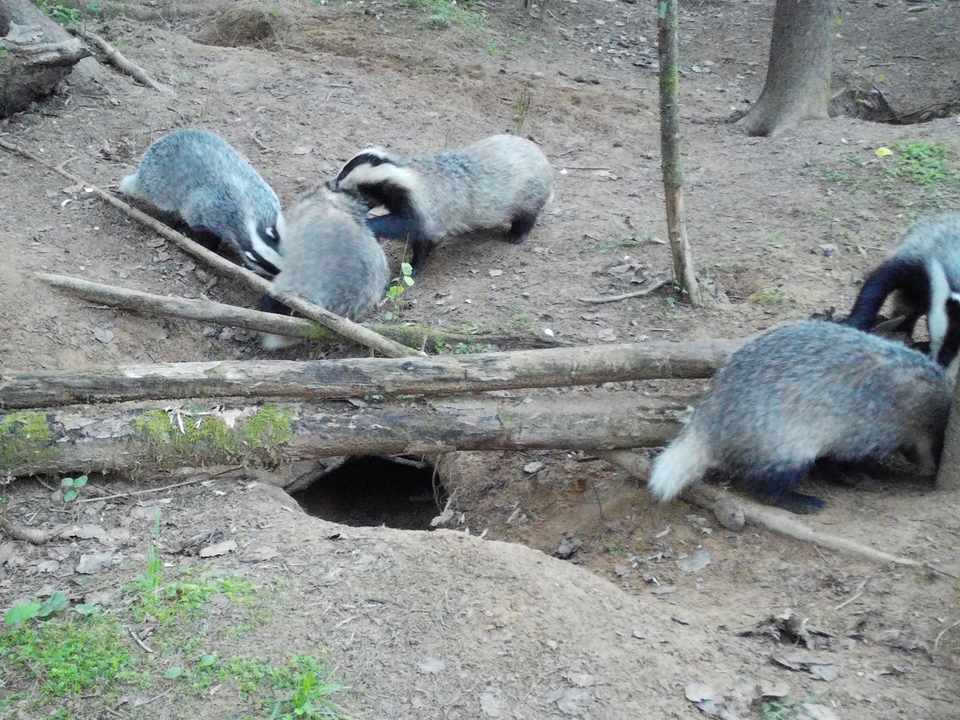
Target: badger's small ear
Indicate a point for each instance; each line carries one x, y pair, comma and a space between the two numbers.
333, 184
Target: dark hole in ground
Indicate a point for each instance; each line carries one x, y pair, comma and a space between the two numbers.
371, 491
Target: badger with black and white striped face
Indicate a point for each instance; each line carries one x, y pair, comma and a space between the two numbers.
815, 390
501, 182
906, 273
330, 258
199, 177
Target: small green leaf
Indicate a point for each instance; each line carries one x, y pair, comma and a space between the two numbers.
80, 481
55, 603
67, 482
406, 268
173, 673
208, 660
70, 496
19, 614
408, 280
87, 609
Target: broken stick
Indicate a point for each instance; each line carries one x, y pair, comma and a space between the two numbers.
117, 58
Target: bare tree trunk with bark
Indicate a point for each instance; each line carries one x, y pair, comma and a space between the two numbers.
668, 42
35, 55
798, 73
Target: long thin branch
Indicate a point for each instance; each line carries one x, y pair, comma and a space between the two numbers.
213, 312
117, 58
339, 325
703, 497
637, 293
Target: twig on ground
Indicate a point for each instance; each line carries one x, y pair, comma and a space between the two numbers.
857, 593
139, 641
222, 314
639, 293
708, 499
339, 325
117, 58
201, 478
30, 535
936, 643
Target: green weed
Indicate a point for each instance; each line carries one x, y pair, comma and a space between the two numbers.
784, 708
71, 487
772, 297
446, 13
60, 13
398, 287
923, 164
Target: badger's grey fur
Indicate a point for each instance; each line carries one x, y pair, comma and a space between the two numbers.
330, 258
807, 391
501, 181
198, 176
906, 273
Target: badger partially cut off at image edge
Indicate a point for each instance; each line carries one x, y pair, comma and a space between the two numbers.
199, 177
905, 273
813, 390
330, 258
501, 181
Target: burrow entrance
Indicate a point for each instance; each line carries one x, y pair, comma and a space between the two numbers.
373, 491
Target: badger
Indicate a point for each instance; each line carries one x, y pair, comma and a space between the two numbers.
331, 258
500, 181
812, 390
906, 273
199, 177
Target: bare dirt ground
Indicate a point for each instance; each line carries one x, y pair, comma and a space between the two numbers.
519, 634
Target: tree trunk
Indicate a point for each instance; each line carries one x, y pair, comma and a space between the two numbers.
35, 55
160, 436
798, 73
668, 46
360, 377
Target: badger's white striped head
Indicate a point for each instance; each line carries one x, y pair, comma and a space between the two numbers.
377, 173
263, 253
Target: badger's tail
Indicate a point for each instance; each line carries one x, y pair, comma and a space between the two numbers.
128, 185
685, 461
894, 274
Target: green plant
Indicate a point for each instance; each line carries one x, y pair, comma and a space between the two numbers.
444, 13
784, 708
71, 487
772, 297
922, 164
58, 12
398, 287
150, 580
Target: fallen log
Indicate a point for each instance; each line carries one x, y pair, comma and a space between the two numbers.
359, 377
35, 55
156, 436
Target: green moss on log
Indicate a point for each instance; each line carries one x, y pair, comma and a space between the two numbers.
207, 439
25, 440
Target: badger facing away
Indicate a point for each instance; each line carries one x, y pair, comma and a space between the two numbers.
198, 176
330, 258
813, 390
503, 180
906, 273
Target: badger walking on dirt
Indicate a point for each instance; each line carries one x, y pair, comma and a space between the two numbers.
330, 258
814, 390
503, 180
199, 177
906, 273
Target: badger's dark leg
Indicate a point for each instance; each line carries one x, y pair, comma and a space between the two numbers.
520, 227
205, 237
776, 487
907, 276
272, 305
392, 226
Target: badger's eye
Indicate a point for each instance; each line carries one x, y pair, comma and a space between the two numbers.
253, 258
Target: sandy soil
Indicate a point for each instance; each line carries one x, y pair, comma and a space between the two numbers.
620, 629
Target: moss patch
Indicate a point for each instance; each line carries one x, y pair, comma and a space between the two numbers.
25, 439
206, 437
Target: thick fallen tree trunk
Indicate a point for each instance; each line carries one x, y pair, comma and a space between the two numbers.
357, 377
35, 55
160, 436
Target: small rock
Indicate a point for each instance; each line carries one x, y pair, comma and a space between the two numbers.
227, 546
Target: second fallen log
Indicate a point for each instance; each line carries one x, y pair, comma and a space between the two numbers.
155, 436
